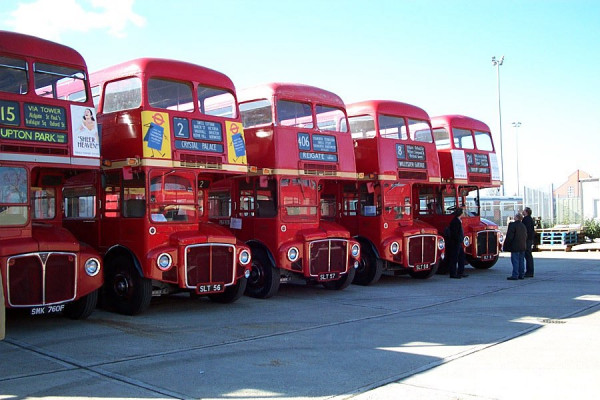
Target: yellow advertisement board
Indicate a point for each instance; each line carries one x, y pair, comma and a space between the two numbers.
236, 144
156, 134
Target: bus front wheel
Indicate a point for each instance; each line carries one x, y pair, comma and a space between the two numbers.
83, 307
264, 276
343, 282
231, 293
369, 269
126, 290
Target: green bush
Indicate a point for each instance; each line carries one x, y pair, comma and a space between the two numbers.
591, 228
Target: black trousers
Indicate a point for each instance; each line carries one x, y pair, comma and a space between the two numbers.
529, 258
456, 260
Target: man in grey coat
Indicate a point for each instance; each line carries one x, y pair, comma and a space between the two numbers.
516, 243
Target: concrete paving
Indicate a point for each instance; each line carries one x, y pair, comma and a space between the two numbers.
482, 337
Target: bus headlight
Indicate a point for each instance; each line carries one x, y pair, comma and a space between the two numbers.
164, 261
244, 257
92, 267
441, 244
355, 250
394, 248
466, 241
293, 254
500, 237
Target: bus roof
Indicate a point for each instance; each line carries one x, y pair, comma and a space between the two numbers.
459, 121
290, 91
165, 68
389, 107
32, 46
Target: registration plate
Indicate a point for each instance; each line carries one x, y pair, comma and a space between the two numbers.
210, 288
330, 276
44, 310
487, 257
422, 267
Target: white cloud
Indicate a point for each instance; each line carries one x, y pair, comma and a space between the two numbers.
51, 18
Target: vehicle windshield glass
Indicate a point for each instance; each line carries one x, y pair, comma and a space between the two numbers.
331, 119
50, 78
299, 199
170, 95
124, 94
442, 138
13, 196
172, 196
43, 202
293, 113
483, 140
362, 127
13, 75
396, 201
420, 131
469, 198
216, 101
391, 127
462, 138
256, 113
370, 199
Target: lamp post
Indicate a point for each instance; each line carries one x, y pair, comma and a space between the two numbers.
497, 63
516, 125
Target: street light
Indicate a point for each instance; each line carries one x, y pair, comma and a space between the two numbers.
516, 125
497, 64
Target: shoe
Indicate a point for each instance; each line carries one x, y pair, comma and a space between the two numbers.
521, 277
528, 275
454, 276
464, 275
512, 278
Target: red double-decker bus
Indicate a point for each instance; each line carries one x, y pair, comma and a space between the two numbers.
296, 145
468, 163
395, 154
45, 138
169, 129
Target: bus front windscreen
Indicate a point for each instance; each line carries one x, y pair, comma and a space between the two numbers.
299, 199
172, 196
396, 201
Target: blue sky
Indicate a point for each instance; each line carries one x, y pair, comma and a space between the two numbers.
433, 54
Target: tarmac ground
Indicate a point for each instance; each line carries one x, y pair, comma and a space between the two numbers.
482, 337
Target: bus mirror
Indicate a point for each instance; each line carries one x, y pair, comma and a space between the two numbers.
103, 181
127, 173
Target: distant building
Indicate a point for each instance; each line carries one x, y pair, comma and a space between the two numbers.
570, 188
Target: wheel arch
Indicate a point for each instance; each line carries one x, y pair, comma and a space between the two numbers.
118, 251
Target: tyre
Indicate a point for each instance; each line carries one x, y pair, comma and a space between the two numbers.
343, 282
425, 274
127, 292
264, 276
231, 293
370, 267
480, 264
83, 307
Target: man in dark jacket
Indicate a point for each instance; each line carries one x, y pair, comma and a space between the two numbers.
528, 222
516, 243
454, 246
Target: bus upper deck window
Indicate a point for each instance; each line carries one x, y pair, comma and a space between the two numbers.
483, 141
362, 127
217, 102
391, 127
293, 113
124, 94
13, 75
420, 131
442, 138
462, 138
170, 95
330, 119
256, 113
55, 81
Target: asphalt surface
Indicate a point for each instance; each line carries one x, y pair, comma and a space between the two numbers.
482, 337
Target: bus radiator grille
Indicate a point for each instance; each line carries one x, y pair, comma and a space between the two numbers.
329, 255
487, 243
421, 249
38, 279
214, 263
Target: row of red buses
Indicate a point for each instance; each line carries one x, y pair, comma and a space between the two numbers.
468, 163
395, 153
170, 129
46, 138
298, 140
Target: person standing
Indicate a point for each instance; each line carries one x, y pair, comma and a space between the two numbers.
454, 246
528, 222
516, 243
